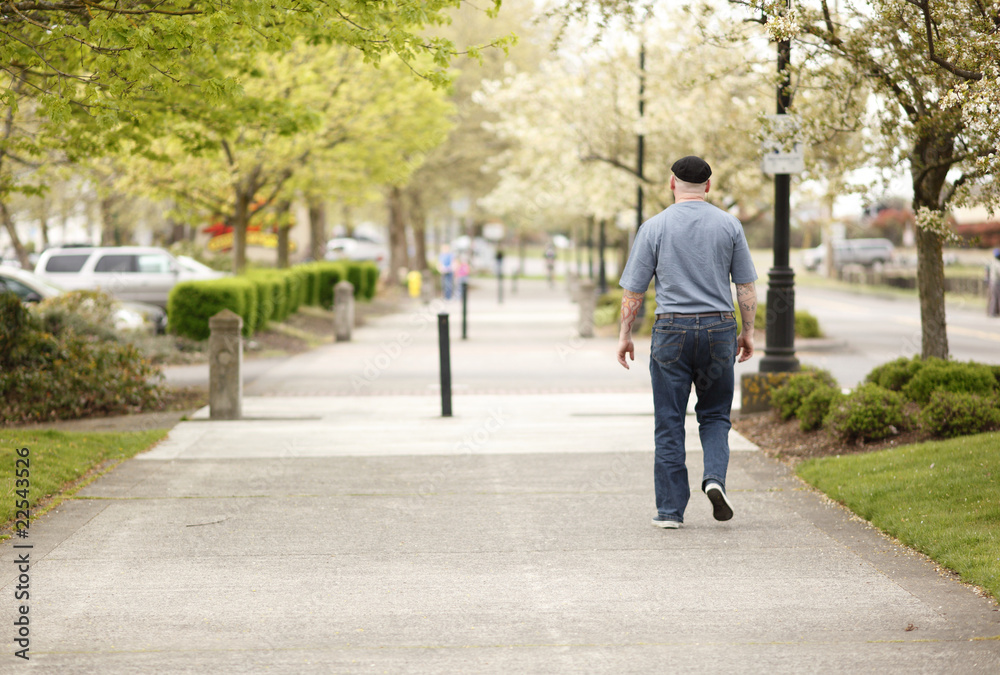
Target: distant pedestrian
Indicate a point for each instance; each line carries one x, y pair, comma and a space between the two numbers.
550, 264
993, 275
462, 271
446, 266
692, 249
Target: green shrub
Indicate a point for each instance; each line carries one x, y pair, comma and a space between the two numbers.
83, 376
13, 318
816, 406
49, 376
953, 376
949, 414
869, 413
355, 275
371, 272
806, 325
192, 303
789, 397
896, 374
83, 312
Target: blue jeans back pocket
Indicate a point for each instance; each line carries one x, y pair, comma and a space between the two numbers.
722, 343
667, 345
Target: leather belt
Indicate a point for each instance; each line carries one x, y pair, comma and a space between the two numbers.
724, 315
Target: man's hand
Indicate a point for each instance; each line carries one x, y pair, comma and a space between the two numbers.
625, 346
631, 302
745, 344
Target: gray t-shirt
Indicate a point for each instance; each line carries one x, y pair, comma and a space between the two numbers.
693, 249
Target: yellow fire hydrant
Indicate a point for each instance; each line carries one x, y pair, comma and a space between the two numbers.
413, 281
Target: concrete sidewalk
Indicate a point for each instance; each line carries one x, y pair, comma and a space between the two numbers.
345, 526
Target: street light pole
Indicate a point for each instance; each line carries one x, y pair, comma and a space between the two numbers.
779, 350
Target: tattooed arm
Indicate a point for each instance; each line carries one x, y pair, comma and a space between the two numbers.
746, 297
631, 302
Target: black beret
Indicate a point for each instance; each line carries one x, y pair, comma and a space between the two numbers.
692, 169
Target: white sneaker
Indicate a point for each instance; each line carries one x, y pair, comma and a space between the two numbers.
666, 523
721, 508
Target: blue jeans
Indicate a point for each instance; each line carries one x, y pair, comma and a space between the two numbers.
685, 351
447, 284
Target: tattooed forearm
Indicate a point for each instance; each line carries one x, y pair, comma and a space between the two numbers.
746, 297
631, 302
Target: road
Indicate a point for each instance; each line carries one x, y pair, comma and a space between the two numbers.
875, 329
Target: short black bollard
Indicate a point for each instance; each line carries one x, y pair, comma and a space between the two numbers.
445, 350
465, 310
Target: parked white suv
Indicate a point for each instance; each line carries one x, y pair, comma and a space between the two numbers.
137, 273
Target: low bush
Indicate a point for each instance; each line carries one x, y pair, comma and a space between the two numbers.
787, 398
950, 414
816, 406
951, 376
12, 321
895, 375
48, 376
869, 413
806, 325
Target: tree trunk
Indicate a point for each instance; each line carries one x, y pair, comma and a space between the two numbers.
177, 231
317, 228
927, 189
241, 219
111, 232
398, 255
930, 282
43, 223
418, 221
284, 225
19, 249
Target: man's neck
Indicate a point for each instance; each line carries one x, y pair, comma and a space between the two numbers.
688, 198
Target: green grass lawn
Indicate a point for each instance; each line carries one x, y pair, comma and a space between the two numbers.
941, 498
60, 463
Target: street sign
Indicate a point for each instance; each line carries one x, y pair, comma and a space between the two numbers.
783, 154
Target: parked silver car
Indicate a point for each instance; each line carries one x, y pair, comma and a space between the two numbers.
851, 252
129, 316
137, 273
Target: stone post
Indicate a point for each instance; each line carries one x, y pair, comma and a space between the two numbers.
343, 310
225, 370
587, 297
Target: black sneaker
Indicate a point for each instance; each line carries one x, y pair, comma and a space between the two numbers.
721, 508
666, 523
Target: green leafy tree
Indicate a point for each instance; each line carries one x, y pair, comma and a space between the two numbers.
312, 112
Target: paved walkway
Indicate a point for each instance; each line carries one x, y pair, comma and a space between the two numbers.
345, 526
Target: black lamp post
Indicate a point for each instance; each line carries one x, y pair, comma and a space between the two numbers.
779, 351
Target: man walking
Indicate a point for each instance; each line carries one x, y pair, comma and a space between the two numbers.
693, 249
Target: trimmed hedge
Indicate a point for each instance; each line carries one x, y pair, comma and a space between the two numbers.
192, 303
265, 295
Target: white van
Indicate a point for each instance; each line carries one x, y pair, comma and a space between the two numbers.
136, 273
